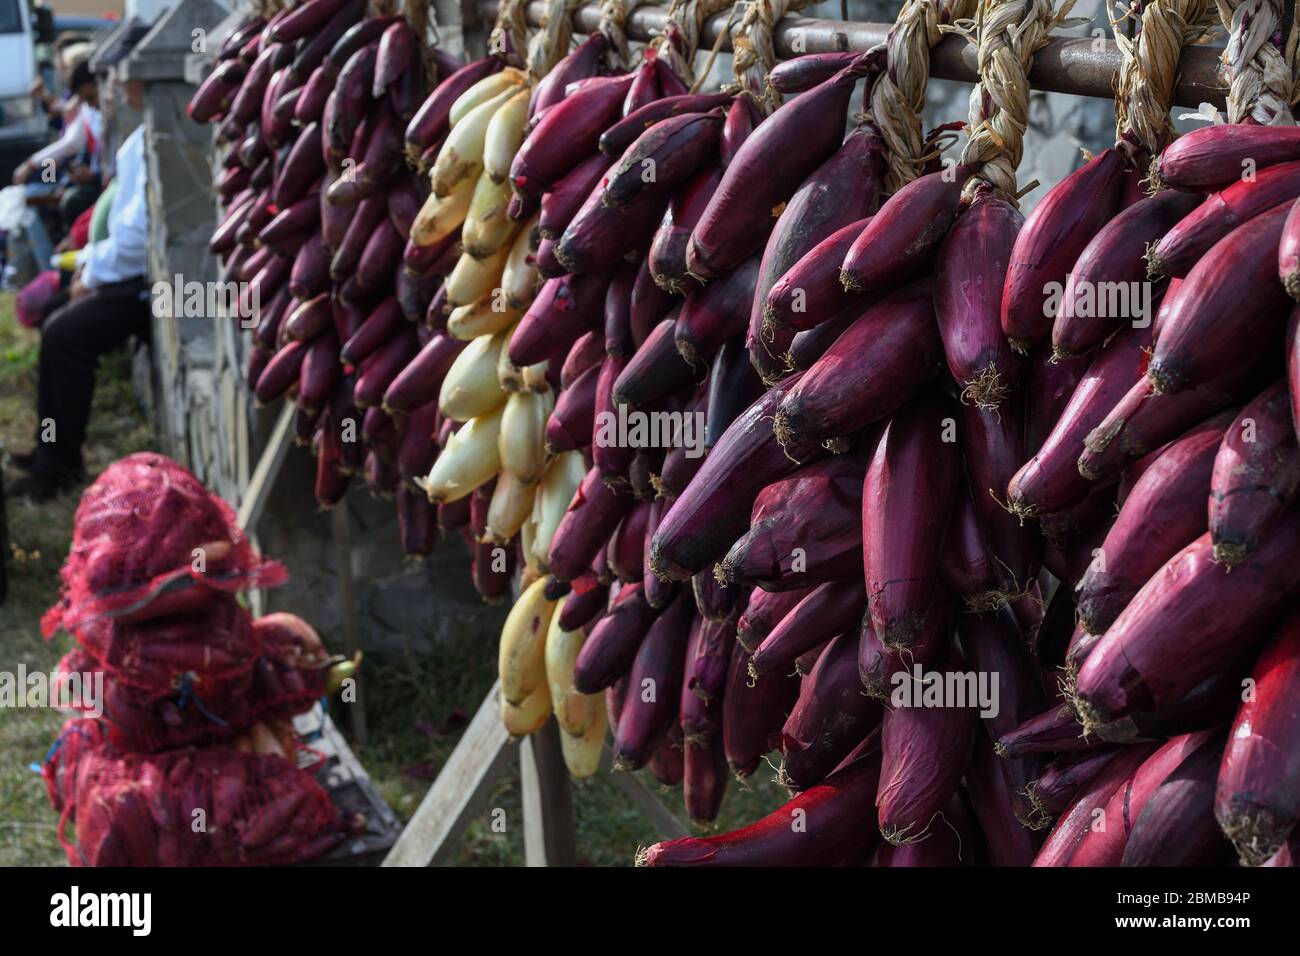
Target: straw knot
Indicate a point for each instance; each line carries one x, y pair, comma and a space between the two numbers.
1144, 86
510, 32
681, 37
1261, 81
613, 25
1006, 34
551, 41
898, 95
754, 50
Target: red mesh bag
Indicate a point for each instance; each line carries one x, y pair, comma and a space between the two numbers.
150, 540
214, 642
34, 297
213, 807
60, 768
197, 711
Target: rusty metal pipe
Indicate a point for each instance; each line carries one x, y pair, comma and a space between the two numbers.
1083, 66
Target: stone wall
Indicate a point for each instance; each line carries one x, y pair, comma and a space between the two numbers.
204, 414
198, 419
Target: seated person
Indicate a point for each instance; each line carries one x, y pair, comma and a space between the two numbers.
108, 303
49, 290
66, 172
50, 88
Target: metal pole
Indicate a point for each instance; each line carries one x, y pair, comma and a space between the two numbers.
550, 837
341, 527
1084, 66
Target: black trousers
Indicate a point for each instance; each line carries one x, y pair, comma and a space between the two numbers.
73, 339
76, 199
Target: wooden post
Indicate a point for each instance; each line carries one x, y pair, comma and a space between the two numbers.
258, 490
549, 837
665, 822
464, 784
461, 790
268, 467
348, 611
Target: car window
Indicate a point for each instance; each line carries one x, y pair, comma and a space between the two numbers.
11, 20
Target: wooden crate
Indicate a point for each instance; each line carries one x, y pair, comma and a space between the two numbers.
350, 788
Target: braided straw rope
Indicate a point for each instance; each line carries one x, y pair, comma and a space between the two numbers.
420, 16
1006, 34
1148, 73
753, 50
898, 96
613, 24
551, 41
1262, 82
1293, 59
510, 32
681, 36
417, 15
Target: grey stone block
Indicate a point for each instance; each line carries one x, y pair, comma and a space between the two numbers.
162, 53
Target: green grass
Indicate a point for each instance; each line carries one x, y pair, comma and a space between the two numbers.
411, 740
39, 536
426, 699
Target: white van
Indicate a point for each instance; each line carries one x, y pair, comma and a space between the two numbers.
23, 128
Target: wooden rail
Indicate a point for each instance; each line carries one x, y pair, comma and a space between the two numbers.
1085, 66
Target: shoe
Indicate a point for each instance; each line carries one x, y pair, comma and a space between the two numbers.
23, 460
36, 489
26, 461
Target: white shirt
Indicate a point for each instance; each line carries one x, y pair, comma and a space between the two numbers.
125, 253
82, 133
